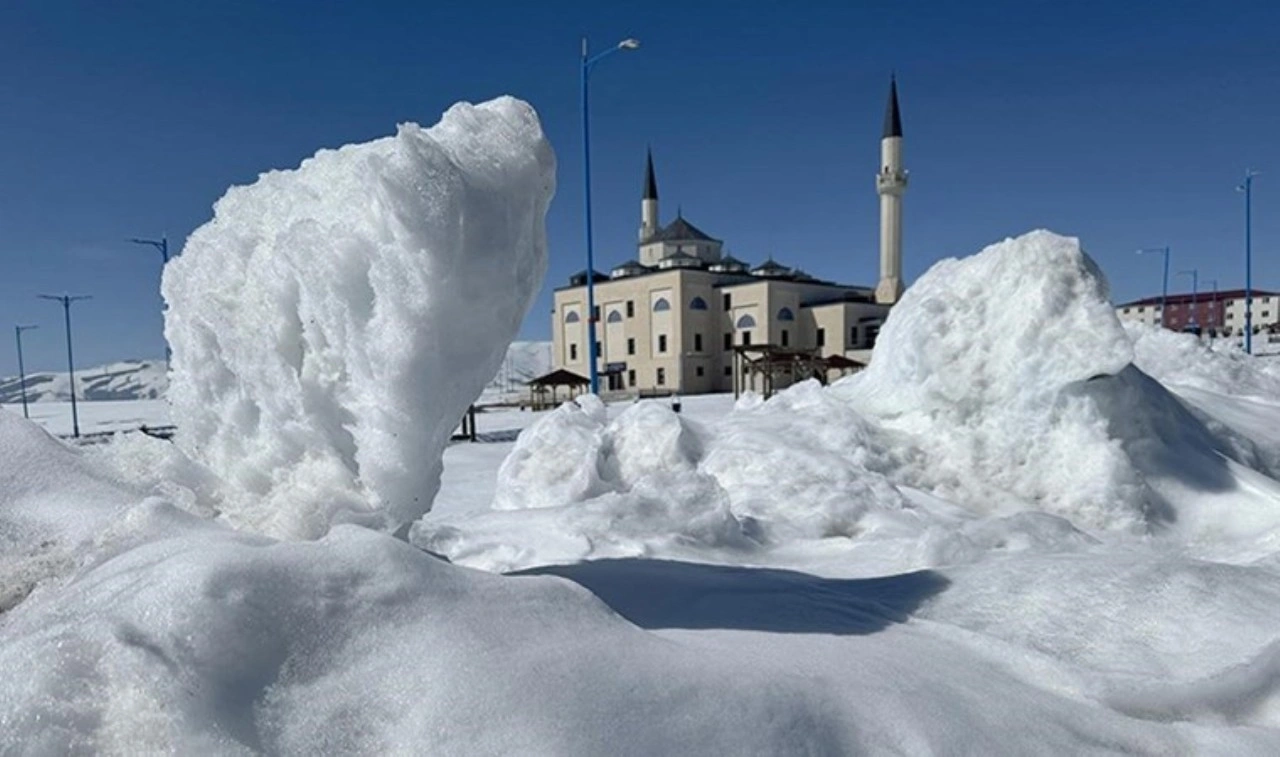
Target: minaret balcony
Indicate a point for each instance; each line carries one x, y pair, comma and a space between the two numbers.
891, 182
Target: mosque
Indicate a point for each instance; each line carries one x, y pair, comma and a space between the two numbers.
684, 317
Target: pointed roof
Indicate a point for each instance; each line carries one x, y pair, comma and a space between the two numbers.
892, 118
681, 230
650, 182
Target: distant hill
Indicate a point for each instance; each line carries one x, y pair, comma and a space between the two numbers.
127, 380
148, 379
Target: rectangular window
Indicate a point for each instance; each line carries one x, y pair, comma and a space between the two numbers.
698, 371
573, 352
631, 308
1126, 310
822, 337
853, 335
1142, 309
662, 342
785, 338
662, 377
727, 301
599, 350
746, 337
1266, 314
631, 377
631, 346
872, 333
697, 342
728, 371
595, 313
728, 341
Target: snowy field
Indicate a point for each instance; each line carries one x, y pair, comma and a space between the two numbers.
1023, 529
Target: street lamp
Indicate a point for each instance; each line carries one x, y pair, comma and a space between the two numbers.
1194, 273
1247, 188
588, 61
66, 301
163, 246
22, 370
1164, 288
1213, 311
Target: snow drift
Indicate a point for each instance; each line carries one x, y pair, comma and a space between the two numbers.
330, 325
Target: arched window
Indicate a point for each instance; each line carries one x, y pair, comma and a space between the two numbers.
572, 317
785, 314
661, 305
698, 304
746, 322
615, 316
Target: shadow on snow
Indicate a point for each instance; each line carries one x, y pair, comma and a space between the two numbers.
669, 594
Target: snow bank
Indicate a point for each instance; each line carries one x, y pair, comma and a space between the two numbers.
1182, 360
577, 485
805, 465
201, 639
52, 502
330, 325
992, 365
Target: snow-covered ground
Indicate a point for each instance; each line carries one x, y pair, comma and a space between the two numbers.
1023, 529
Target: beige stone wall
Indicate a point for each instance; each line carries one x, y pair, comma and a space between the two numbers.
692, 357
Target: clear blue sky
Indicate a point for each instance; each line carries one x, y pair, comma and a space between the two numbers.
1126, 123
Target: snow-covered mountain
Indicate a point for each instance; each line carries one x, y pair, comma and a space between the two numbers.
126, 380
524, 361
148, 379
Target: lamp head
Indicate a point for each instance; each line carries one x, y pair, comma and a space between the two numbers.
629, 44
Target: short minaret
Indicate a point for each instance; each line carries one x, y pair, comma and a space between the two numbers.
891, 184
649, 203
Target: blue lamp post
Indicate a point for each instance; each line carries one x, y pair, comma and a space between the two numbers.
1194, 273
1164, 287
1247, 188
588, 61
161, 245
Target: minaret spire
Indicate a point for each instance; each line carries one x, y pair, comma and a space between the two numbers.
892, 118
650, 182
649, 201
891, 185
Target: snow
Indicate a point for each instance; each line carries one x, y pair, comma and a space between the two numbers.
1064, 538
125, 380
332, 323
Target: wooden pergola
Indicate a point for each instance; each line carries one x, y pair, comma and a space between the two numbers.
543, 390
775, 367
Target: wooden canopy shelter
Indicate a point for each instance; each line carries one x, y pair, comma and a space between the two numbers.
543, 390
769, 367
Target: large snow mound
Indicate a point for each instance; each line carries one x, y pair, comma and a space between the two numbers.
332, 322
1006, 369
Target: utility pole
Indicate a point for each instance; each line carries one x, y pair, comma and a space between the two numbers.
22, 371
66, 301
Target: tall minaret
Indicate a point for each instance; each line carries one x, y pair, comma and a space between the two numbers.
649, 203
891, 184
